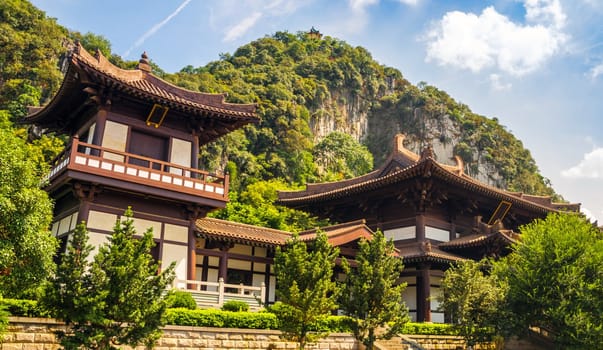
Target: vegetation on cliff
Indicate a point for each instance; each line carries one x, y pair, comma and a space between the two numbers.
305, 89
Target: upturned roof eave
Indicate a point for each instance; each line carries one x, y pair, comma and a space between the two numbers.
435, 169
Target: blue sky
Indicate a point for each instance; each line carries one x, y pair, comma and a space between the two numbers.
536, 65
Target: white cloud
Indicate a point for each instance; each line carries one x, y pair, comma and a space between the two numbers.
223, 12
155, 28
497, 83
589, 214
360, 5
242, 27
590, 167
410, 2
491, 40
596, 71
546, 12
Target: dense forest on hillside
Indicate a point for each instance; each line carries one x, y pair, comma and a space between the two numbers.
328, 110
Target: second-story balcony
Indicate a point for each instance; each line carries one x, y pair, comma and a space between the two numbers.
130, 172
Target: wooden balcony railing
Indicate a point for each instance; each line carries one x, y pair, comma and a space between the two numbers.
215, 294
97, 160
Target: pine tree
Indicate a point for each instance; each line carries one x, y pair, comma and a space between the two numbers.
371, 296
305, 287
115, 299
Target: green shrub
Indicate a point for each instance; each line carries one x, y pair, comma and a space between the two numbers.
22, 307
219, 318
329, 324
428, 329
235, 305
180, 299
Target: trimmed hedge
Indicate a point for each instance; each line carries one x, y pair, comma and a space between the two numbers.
219, 318
230, 319
180, 299
24, 308
428, 329
235, 305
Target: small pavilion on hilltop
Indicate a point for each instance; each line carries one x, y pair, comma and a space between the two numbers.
435, 214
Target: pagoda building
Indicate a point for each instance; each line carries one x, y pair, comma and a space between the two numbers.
434, 213
134, 142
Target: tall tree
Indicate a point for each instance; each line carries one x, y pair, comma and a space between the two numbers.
339, 156
474, 301
555, 279
26, 244
371, 295
115, 299
70, 294
305, 287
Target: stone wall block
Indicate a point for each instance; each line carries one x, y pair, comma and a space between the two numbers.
25, 337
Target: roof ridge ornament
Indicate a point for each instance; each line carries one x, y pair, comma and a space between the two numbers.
427, 152
143, 63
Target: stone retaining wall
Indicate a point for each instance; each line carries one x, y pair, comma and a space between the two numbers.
38, 334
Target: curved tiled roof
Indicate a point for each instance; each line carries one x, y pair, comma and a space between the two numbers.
423, 166
479, 239
141, 83
418, 253
241, 233
340, 234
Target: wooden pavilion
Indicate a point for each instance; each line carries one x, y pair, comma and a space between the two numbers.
134, 141
435, 214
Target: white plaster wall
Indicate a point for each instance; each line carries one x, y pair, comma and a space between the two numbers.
180, 154
141, 226
177, 254
175, 233
400, 233
115, 137
101, 221
437, 234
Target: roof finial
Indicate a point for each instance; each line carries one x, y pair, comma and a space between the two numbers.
143, 63
427, 152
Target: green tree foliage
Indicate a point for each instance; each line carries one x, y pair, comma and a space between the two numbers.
474, 301
304, 287
70, 294
339, 156
26, 245
115, 299
371, 295
255, 206
555, 279
30, 47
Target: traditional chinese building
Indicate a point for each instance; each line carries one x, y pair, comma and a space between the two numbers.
134, 141
435, 214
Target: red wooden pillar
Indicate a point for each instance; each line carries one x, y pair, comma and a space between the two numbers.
420, 227
223, 267
191, 273
423, 294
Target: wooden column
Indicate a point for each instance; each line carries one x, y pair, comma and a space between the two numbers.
195, 151
194, 213
99, 129
423, 294
452, 232
223, 269
420, 227
191, 273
